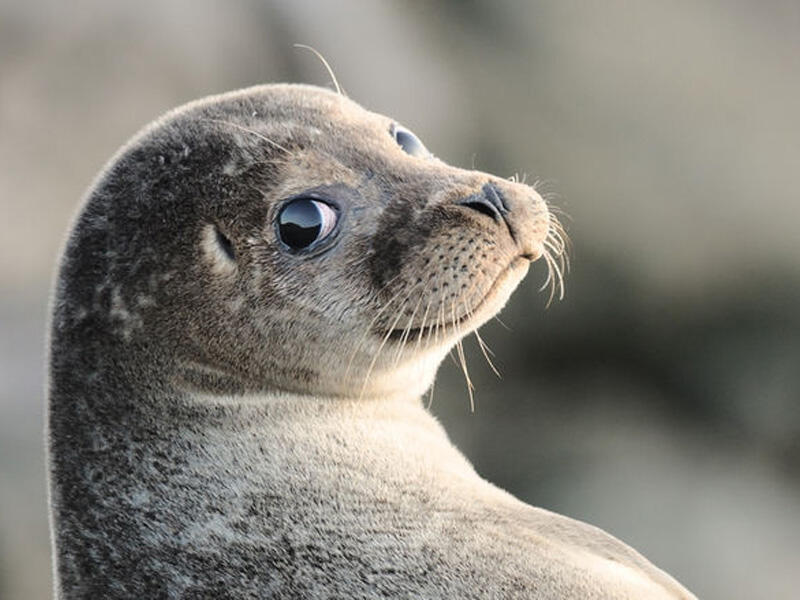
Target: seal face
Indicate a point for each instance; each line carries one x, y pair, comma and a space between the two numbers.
255, 294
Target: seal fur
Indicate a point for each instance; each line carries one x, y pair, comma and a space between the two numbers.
231, 419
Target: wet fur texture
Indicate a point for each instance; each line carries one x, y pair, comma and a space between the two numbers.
228, 419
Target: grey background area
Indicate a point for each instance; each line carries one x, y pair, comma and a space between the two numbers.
660, 400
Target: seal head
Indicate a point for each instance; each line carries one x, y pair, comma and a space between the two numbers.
284, 238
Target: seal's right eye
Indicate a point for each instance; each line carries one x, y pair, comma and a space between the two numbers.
305, 221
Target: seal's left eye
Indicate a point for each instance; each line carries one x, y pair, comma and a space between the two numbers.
305, 221
409, 142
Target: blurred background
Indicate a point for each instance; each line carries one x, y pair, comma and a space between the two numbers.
660, 400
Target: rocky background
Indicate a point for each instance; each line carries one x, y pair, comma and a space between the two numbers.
660, 400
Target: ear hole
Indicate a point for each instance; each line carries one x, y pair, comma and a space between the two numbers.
225, 244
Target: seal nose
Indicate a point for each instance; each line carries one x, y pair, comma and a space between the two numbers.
522, 210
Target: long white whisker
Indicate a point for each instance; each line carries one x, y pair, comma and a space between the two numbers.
327, 66
486, 352
374, 320
560, 277
461, 357
422, 327
503, 325
252, 132
408, 327
430, 393
375, 358
383, 343
551, 277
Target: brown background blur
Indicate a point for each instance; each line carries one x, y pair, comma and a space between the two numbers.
660, 400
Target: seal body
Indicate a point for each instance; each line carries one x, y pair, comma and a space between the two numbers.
255, 294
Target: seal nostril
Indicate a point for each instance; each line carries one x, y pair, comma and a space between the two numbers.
482, 207
489, 201
495, 197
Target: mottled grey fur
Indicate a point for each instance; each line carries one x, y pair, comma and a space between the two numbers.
251, 427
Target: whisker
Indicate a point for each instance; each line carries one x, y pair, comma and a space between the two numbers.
368, 329
549, 278
503, 325
430, 394
252, 132
422, 327
486, 352
375, 358
383, 343
374, 320
462, 358
560, 234
408, 327
470, 387
452, 356
431, 331
439, 322
557, 279
327, 66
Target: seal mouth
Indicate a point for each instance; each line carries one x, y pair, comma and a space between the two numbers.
404, 335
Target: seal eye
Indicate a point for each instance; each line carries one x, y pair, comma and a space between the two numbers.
304, 221
409, 142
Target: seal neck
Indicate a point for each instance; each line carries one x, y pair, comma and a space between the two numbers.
129, 473
399, 381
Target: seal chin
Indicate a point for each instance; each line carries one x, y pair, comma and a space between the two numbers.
448, 332
499, 293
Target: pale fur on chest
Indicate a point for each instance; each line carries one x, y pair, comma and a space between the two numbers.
316, 498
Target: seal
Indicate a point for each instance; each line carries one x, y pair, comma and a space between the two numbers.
255, 294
